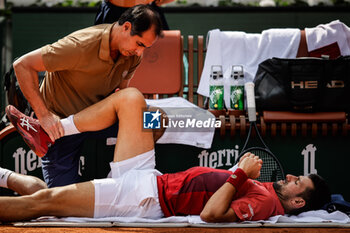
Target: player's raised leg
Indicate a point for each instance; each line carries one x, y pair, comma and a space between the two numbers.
127, 106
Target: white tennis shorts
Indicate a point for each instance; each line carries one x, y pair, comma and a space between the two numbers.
131, 191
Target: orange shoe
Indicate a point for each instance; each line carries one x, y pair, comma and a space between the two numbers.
31, 131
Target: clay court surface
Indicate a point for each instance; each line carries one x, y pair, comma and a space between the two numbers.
11, 229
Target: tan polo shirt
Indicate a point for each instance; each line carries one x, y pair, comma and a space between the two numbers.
80, 70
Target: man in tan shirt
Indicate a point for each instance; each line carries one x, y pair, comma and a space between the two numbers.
82, 69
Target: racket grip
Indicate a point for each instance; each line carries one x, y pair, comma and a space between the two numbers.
249, 88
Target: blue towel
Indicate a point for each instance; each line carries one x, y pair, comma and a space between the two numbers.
337, 203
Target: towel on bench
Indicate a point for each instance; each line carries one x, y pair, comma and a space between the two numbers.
227, 48
178, 108
317, 217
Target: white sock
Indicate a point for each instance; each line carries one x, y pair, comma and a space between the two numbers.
69, 126
4, 174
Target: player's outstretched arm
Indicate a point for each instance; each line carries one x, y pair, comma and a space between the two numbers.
218, 208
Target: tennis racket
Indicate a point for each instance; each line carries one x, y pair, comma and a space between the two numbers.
271, 169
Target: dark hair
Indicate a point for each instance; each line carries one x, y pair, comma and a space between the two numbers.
142, 17
315, 198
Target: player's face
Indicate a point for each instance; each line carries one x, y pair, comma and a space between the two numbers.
292, 186
135, 45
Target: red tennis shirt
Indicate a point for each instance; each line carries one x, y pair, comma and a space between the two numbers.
187, 192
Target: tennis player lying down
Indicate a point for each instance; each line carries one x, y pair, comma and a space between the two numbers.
136, 189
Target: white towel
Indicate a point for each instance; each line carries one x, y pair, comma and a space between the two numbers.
177, 106
246, 49
318, 216
326, 34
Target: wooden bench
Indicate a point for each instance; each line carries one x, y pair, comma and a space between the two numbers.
161, 74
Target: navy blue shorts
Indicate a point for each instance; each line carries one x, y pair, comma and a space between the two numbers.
61, 163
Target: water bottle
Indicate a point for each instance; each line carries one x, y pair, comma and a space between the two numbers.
216, 88
237, 88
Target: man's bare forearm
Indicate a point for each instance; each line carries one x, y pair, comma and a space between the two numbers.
29, 84
218, 208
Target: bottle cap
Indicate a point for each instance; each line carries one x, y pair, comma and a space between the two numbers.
237, 72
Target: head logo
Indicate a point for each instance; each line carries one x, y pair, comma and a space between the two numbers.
314, 84
151, 120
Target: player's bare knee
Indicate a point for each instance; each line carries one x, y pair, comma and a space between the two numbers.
127, 96
40, 201
49, 201
44, 195
132, 97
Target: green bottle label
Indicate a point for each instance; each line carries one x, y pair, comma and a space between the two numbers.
237, 97
216, 97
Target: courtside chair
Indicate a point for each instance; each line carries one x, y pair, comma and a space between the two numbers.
161, 70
